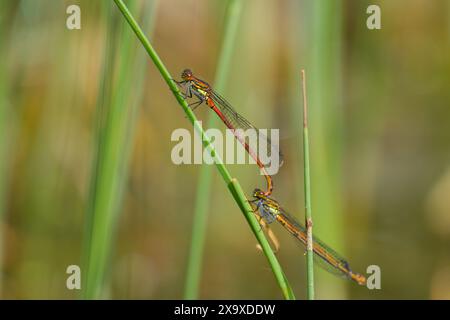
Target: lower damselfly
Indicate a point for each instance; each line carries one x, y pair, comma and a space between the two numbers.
270, 210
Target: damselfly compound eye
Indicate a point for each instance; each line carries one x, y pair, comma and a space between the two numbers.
187, 73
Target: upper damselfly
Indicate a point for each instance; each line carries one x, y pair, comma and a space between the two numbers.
202, 90
269, 210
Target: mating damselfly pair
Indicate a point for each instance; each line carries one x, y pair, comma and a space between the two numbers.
195, 87
265, 207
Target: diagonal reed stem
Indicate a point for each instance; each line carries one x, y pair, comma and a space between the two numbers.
202, 202
232, 184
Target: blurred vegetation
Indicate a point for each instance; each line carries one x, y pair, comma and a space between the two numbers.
204, 191
379, 109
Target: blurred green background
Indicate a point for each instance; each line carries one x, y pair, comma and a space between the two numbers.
379, 105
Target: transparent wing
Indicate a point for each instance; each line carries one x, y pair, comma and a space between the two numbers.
325, 257
239, 122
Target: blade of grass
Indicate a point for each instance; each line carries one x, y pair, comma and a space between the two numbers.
202, 202
233, 185
114, 140
6, 129
308, 214
326, 126
103, 100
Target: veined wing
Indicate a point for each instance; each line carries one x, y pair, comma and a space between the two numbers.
239, 122
326, 257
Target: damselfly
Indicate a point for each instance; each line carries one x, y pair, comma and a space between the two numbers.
270, 210
233, 120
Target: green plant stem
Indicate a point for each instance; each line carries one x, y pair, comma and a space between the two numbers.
103, 100
307, 187
202, 202
325, 124
114, 148
233, 185
241, 200
5, 138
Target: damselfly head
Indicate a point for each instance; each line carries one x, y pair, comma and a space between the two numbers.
258, 193
186, 74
